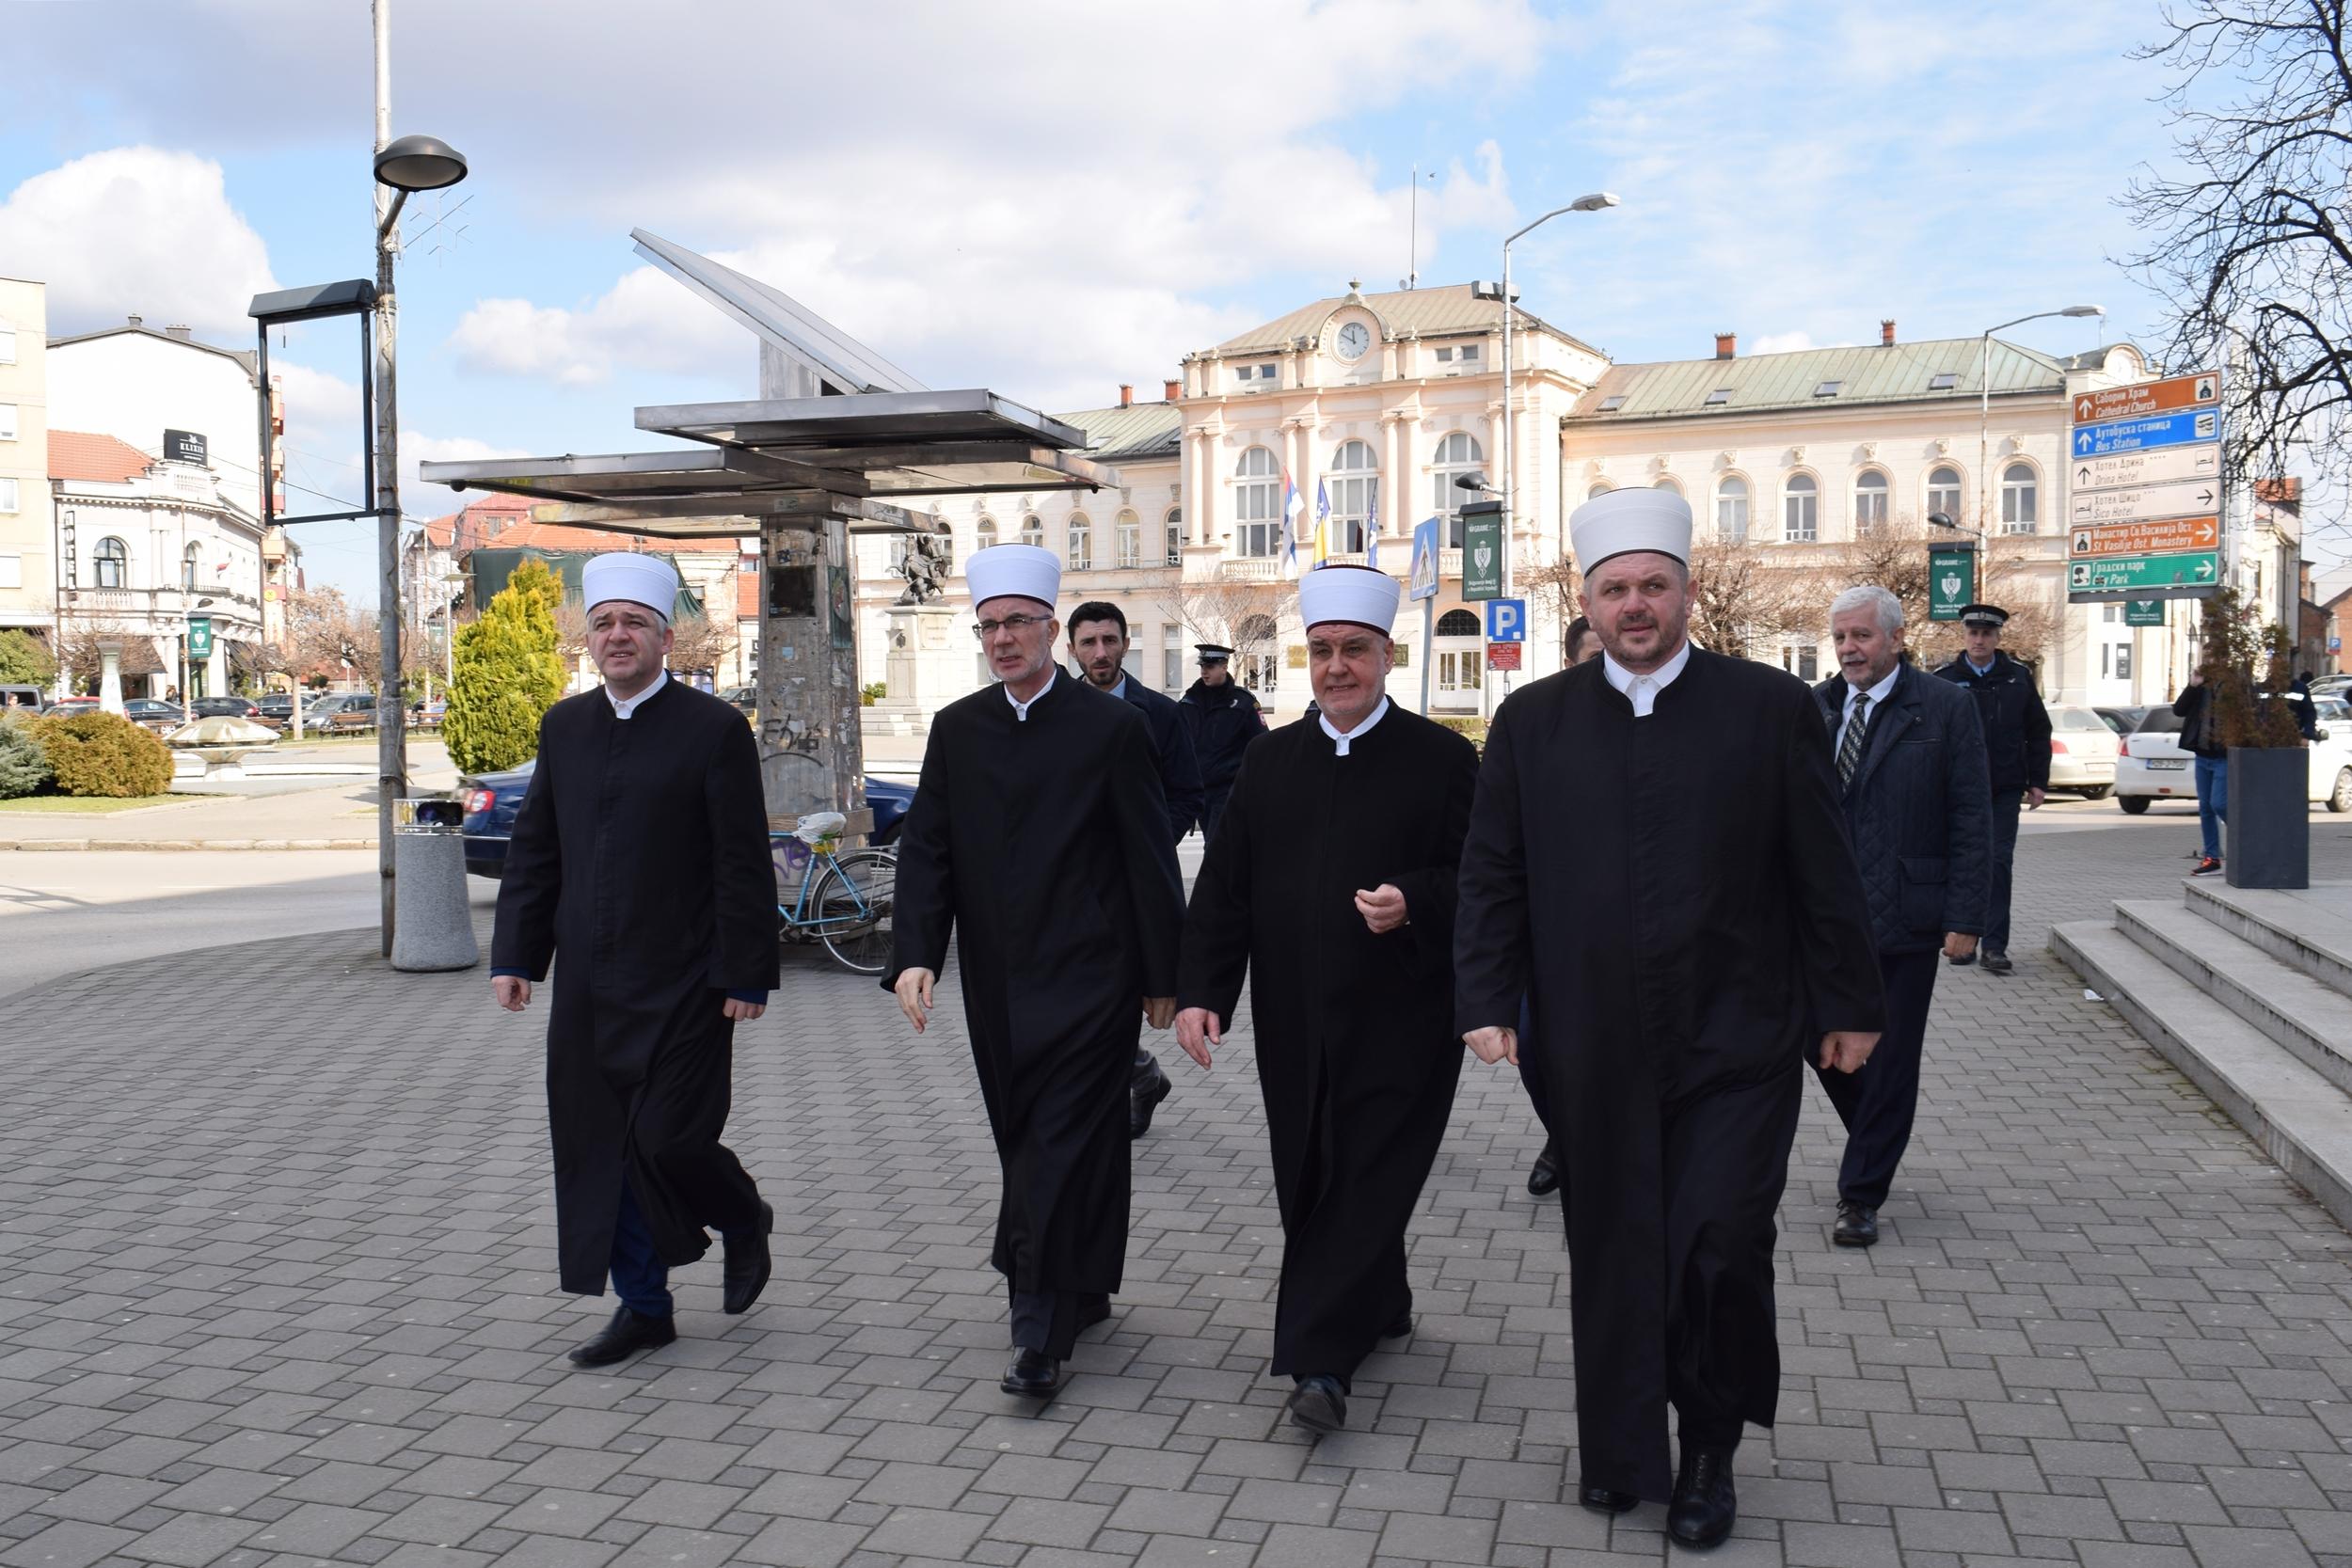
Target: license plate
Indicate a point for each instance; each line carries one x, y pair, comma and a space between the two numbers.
2175, 763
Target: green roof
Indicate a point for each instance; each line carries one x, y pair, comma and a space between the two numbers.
1818, 378
1134, 434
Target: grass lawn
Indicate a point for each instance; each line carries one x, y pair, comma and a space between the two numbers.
92, 805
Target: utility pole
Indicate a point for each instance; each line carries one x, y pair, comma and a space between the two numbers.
390, 718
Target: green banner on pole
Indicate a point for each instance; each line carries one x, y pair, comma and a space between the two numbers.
200, 636
1952, 580
1481, 551
2143, 612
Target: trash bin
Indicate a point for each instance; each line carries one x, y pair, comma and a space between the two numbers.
432, 925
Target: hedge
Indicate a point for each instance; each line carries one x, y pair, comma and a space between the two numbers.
102, 754
24, 769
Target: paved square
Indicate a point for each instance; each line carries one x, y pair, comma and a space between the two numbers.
279, 1275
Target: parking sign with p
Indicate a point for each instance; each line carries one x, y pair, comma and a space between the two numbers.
1506, 620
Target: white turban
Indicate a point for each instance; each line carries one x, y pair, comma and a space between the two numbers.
1014, 571
1637, 517
1359, 596
645, 580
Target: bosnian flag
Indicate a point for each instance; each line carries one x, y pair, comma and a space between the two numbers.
1323, 523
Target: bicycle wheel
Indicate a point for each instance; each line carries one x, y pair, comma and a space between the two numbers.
853, 904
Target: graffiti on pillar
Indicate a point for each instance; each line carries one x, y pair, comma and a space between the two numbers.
844, 633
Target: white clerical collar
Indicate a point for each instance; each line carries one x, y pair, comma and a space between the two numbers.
1358, 733
1020, 709
1877, 694
623, 708
1643, 690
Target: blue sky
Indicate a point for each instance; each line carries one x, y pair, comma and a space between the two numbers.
1050, 198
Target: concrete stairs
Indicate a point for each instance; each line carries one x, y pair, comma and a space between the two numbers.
2248, 992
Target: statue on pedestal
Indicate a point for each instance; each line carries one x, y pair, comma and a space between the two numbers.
925, 566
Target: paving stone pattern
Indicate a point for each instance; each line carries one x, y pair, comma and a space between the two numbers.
278, 1290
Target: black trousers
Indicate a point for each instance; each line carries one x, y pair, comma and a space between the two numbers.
2006, 806
1048, 1320
1877, 1103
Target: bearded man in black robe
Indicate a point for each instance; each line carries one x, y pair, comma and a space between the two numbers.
1657, 857
639, 863
1040, 836
1331, 882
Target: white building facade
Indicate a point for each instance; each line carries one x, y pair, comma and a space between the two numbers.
28, 566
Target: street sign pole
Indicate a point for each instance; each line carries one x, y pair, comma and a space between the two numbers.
2145, 462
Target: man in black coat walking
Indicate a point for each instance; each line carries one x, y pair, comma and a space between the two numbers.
639, 865
1099, 644
2017, 755
1912, 785
1224, 720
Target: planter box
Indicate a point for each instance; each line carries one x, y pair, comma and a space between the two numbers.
2269, 841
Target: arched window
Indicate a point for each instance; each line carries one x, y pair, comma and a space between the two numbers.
1944, 492
2018, 498
1600, 488
1667, 482
1457, 622
986, 533
1175, 536
1081, 542
1801, 509
1355, 477
1032, 531
1731, 508
1258, 505
1870, 501
1461, 665
112, 562
1457, 454
945, 542
1130, 540
188, 558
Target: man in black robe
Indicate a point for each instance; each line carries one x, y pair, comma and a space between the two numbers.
1656, 855
1342, 918
639, 863
1040, 836
1099, 644
1224, 720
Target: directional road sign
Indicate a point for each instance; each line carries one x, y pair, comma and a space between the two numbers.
2148, 468
2110, 574
2186, 428
1506, 620
2170, 536
2143, 397
2186, 497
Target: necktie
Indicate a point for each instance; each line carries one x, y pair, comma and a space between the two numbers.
1849, 747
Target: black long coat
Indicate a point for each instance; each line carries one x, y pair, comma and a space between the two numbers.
2016, 726
1043, 845
1224, 720
639, 863
1678, 894
1357, 1059
1180, 766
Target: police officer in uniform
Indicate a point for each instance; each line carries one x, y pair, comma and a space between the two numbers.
2017, 755
1224, 720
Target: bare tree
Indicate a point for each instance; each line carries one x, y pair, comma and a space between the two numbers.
2253, 243
1747, 596
700, 642
80, 653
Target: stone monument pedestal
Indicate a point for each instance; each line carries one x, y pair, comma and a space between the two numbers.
924, 671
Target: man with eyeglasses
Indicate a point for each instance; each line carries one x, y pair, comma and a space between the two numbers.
1039, 837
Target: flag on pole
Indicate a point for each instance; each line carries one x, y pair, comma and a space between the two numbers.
1372, 523
1323, 523
1293, 504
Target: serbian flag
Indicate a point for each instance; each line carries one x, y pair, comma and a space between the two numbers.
1293, 504
1372, 523
1323, 523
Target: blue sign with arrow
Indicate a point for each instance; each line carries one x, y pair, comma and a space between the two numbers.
2185, 429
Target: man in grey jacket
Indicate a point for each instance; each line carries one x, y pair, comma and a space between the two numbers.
1917, 805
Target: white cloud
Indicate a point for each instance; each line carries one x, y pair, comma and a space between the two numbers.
139, 230
1783, 342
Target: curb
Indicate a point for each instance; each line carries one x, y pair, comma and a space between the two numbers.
30, 845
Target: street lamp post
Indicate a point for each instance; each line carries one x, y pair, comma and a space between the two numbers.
1984, 416
1593, 203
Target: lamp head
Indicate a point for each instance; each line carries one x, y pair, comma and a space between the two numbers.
2084, 311
418, 164
1472, 482
1594, 202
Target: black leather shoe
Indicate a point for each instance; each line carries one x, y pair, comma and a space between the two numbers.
1144, 1093
624, 1337
1544, 1177
1704, 1503
1601, 1500
1997, 963
1319, 1404
1856, 1225
1959, 960
1400, 1329
1033, 1375
748, 1264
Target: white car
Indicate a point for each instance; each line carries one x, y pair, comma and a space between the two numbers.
2083, 751
2154, 768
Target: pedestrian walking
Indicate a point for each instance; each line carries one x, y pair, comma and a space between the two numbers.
1099, 644
1691, 931
2017, 757
1581, 643
1224, 720
1039, 839
1342, 921
638, 865
2200, 737
1911, 768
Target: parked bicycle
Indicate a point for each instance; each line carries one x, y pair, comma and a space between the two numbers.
840, 899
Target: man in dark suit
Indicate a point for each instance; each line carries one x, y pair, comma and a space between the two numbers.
1098, 645
1917, 808
2017, 755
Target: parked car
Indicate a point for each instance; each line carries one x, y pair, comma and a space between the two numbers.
2123, 721
744, 697
24, 699
491, 800
224, 707
2154, 768
349, 713
153, 713
427, 716
2083, 751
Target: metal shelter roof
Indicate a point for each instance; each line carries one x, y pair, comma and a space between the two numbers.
877, 433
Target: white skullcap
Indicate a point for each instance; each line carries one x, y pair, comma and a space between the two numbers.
1014, 571
1634, 518
645, 580
1359, 596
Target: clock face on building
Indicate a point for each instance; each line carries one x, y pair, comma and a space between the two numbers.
1353, 339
